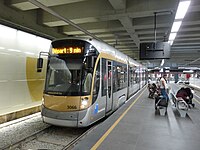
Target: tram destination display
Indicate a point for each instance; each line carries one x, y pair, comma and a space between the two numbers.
68, 50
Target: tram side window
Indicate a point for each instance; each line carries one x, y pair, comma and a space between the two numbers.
146, 76
121, 76
118, 77
115, 83
143, 76
104, 77
136, 76
96, 83
125, 75
131, 75
97, 80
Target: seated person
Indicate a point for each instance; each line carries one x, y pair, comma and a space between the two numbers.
183, 94
154, 87
152, 90
189, 92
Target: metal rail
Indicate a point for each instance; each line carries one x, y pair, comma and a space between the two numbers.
30, 137
74, 141
36, 135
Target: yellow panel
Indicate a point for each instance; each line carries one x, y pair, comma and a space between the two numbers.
35, 80
63, 103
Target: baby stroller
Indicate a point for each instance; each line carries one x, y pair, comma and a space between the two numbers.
152, 89
187, 95
160, 100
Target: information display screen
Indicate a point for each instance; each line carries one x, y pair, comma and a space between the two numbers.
158, 50
68, 50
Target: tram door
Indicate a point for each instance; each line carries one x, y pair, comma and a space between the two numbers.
109, 94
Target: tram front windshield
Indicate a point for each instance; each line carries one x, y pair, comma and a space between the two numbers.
68, 76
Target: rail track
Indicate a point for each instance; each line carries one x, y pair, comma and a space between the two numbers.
43, 137
52, 137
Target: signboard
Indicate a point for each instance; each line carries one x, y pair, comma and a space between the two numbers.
158, 50
67, 50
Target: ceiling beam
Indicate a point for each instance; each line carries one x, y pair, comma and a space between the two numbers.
50, 11
26, 5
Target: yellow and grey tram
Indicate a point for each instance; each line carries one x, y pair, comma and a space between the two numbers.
86, 80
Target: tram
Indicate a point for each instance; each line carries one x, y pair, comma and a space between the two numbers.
86, 80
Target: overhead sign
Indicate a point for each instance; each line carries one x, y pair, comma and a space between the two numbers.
158, 50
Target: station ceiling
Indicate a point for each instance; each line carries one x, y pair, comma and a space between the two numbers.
120, 23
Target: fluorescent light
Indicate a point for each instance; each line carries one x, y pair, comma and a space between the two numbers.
162, 62
170, 42
188, 71
176, 25
180, 14
14, 50
172, 36
182, 9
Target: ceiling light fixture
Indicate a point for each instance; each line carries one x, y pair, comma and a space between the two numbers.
180, 14
170, 42
176, 25
182, 9
162, 62
172, 36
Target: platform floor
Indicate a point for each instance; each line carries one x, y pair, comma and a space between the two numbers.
11, 113
136, 126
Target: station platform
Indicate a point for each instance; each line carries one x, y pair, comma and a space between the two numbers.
195, 83
11, 113
15, 112
136, 126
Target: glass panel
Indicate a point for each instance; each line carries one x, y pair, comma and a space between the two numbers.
96, 83
114, 77
63, 78
104, 77
87, 82
97, 80
67, 77
70, 69
109, 75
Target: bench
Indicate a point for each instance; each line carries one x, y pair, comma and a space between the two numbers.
180, 105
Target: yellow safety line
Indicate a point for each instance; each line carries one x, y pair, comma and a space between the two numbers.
114, 125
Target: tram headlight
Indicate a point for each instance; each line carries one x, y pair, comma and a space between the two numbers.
84, 102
